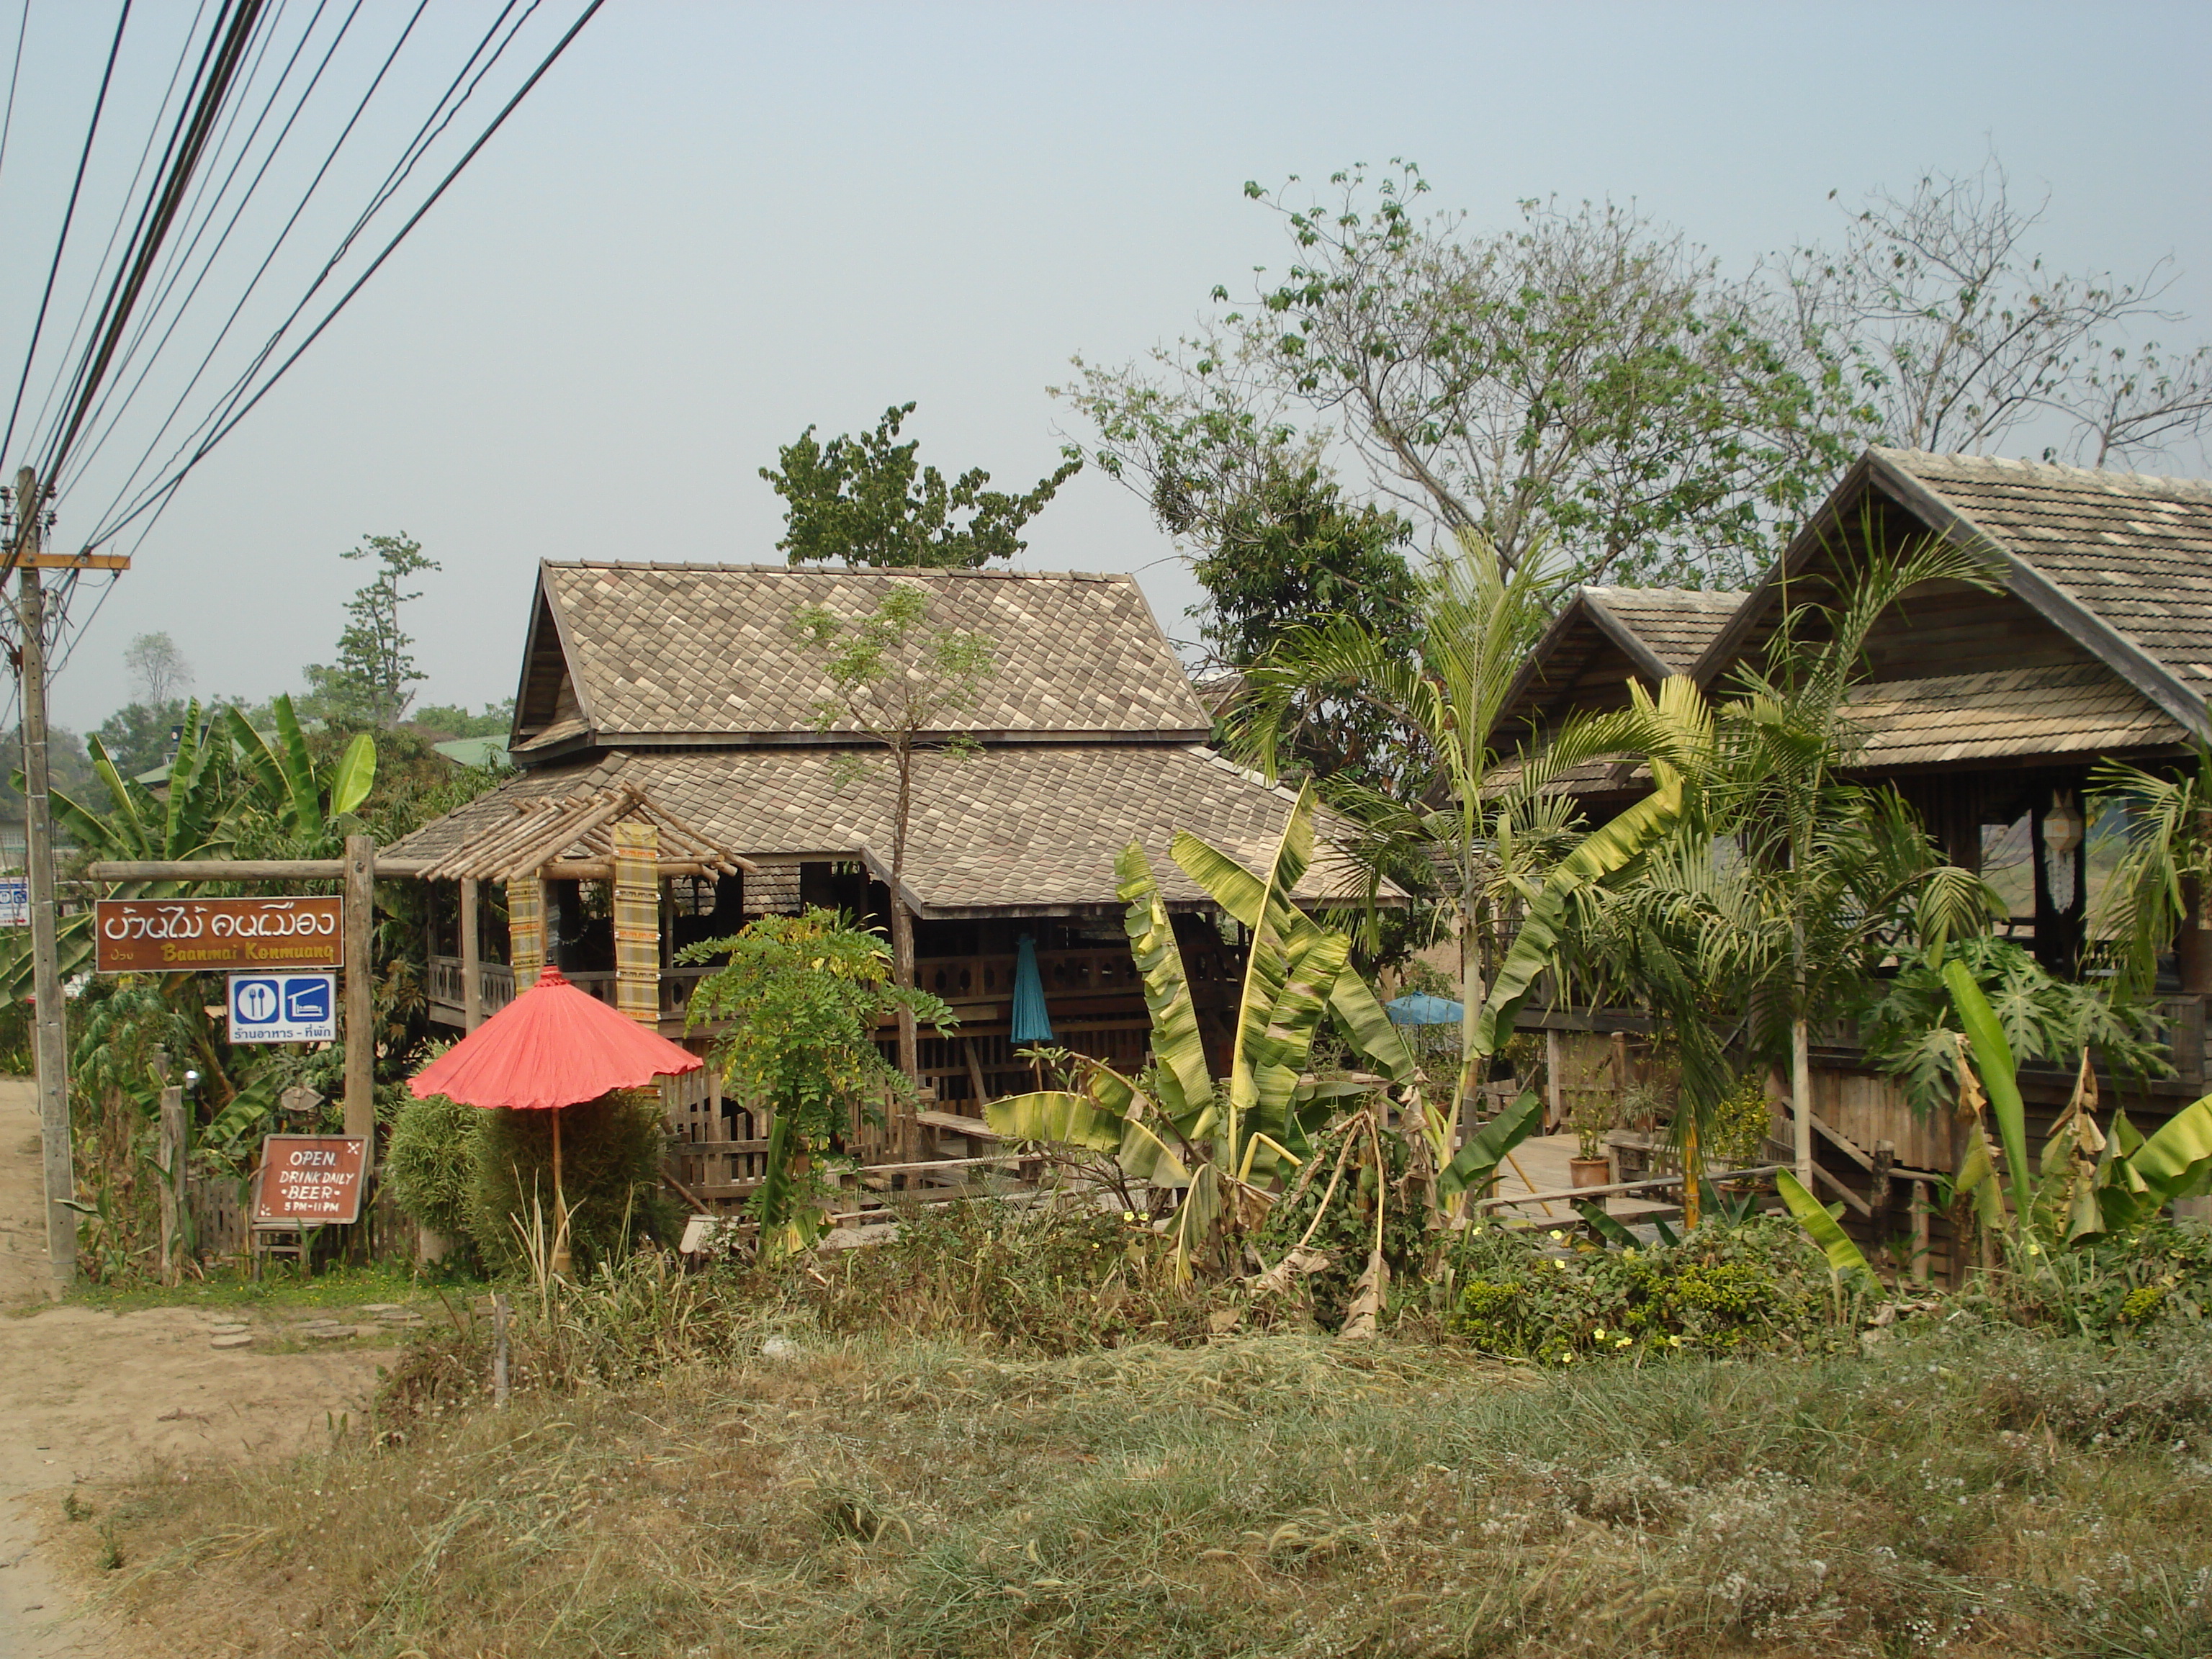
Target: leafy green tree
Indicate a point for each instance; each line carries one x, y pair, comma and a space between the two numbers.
865, 500
372, 683
136, 736
453, 720
802, 997
1587, 381
899, 678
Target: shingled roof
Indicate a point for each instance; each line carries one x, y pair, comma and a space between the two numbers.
1604, 635
635, 655
2120, 563
1024, 829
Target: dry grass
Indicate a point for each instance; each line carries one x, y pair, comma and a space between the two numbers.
1985, 1491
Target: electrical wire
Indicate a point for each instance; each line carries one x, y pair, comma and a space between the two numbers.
130, 195
69, 215
432, 124
8, 122
187, 145
121, 396
160, 495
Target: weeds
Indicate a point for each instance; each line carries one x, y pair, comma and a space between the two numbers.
1281, 1495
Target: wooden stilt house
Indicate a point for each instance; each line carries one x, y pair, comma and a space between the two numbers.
677, 702
1986, 710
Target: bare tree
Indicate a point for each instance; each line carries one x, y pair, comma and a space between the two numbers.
159, 673
1951, 334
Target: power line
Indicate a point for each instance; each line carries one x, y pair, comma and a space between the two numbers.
167, 488
425, 134
186, 147
8, 122
8, 439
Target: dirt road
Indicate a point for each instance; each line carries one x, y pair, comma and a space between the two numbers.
87, 1395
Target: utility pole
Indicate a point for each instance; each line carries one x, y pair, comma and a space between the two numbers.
50, 1041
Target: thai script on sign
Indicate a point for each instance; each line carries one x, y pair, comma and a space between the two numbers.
213, 935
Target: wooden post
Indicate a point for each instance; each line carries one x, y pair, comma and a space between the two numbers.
1920, 1232
175, 1147
49, 1040
499, 1349
637, 921
359, 923
1878, 1195
525, 929
472, 956
1555, 1089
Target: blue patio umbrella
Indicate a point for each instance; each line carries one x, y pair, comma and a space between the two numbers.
1422, 1009
1031, 1023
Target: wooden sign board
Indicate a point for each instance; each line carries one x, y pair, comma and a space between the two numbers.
216, 935
309, 1180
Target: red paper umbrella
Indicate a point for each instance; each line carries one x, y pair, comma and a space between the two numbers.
549, 1048
552, 1046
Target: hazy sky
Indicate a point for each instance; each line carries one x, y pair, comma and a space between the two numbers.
713, 224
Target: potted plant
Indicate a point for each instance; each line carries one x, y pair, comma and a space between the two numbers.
1592, 1118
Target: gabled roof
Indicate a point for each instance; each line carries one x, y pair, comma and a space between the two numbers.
2120, 563
1025, 830
1604, 635
703, 655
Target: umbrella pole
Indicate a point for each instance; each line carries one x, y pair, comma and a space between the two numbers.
560, 1203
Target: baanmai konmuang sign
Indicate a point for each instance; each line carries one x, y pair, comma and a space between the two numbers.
216, 935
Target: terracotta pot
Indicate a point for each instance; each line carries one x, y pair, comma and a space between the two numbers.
1589, 1171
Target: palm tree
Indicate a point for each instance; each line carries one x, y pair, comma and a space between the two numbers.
1832, 863
1482, 826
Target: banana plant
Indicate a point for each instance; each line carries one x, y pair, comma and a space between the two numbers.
196, 821
307, 803
1220, 1142
2089, 1181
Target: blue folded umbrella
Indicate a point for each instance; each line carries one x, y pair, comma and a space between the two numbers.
1422, 1009
1031, 1023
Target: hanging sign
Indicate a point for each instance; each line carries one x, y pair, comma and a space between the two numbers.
215, 935
14, 901
310, 1181
284, 1008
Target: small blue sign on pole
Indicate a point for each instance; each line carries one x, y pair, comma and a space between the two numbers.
14, 901
284, 1008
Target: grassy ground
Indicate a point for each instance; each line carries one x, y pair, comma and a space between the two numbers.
1982, 1492
337, 1285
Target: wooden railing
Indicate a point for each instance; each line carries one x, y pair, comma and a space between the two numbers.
495, 982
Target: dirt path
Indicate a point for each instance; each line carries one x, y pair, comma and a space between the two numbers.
87, 1394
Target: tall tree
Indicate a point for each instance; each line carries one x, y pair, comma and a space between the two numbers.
374, 679
898, 677
1947, 331
1587, 380
866, 500
159, 673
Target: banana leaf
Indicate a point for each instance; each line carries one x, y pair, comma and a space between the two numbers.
354, 775
1057, 1115
1845, 1258
2174, 1163
1185, 1087
1241, 894
1486, 1148
1605, 1226
2000, 1075
1605, 852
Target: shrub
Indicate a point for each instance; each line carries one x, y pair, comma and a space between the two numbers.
611, 1152
431, 1162
1757, 1287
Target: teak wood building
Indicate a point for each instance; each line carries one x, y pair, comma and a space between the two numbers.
1986, 708
681, 696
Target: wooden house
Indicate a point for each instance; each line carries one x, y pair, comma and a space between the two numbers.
1986, 708
681, 698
